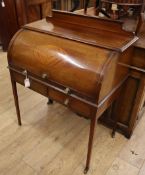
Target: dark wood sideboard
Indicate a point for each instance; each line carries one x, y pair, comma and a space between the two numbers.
17, 13
130, 106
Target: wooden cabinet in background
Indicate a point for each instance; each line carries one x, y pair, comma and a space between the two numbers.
16, 13
8, 22
130, 105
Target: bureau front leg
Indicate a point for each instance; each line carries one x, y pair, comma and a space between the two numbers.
90, 143
15, 94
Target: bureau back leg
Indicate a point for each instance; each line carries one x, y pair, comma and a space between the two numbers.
116, 118
50, 101
90, 143
114, 127
14, 88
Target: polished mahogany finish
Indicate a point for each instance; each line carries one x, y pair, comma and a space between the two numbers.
76, 60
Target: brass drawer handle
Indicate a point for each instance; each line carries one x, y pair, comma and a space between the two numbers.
27, 82
67, 90
25, 73
44, 76
66, 102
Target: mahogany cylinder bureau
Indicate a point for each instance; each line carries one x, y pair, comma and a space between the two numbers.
75, 60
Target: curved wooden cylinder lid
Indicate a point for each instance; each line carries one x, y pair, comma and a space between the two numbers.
72, 64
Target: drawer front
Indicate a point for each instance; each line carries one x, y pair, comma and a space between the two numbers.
40, 88
63, 96
70, 102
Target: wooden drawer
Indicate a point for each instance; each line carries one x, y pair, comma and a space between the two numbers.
40, 88
60, 94
69, 101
